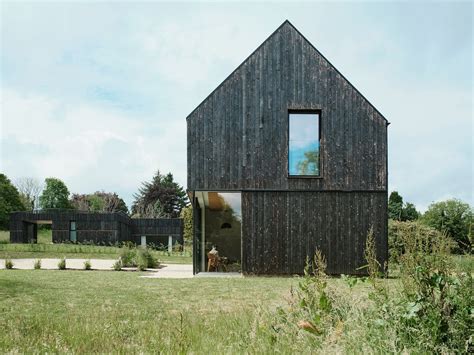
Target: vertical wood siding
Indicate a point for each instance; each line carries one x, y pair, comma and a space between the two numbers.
238, 140
99, 228
238, 137
280, 229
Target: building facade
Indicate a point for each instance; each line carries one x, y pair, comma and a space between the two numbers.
286, 157
106, 228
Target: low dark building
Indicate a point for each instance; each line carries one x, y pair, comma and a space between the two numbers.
285, 157
98, 228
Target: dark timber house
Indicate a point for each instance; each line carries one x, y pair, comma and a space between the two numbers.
98, 228
284, 157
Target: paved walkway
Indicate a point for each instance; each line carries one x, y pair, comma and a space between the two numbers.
165, 270
173, 271
50, 264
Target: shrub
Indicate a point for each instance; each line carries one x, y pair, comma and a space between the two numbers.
314, 310
140, 257
432, 314
87, 265
62, 264
128, 256
118, 265
145, 257
37, 264
142, 263
413, 236
8, 263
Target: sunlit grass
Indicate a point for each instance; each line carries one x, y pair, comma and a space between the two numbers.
80, 311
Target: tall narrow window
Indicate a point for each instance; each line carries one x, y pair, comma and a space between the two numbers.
72, 231
303, 145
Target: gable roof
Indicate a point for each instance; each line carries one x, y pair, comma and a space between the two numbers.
288, 23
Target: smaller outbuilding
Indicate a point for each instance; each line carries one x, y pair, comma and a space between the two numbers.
104, 228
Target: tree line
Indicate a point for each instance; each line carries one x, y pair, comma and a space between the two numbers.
452, 217
161, 197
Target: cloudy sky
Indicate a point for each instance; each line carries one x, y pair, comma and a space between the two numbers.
97, 93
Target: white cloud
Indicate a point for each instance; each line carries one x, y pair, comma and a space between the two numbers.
97, 93
87, 146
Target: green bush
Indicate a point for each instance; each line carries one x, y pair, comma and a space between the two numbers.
37, 264
434, 312
142, 264
128, 256
118, 265
413, 236
314, 310
62, 264
87, 265
139, 257
8, 263
145, 257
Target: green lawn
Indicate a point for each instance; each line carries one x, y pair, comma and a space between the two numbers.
4, 236
79, 311
107, 311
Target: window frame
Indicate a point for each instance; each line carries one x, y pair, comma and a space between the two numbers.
304, 111
71, 231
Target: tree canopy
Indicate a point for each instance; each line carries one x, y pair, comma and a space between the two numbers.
453, 217
161, 197
99, 201
10, 201
55, 194
398, 211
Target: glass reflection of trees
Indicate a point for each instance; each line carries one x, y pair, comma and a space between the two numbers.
310, 164
303, 145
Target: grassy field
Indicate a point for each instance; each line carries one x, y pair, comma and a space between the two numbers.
89, 312
64, 311
44, 249
4, 236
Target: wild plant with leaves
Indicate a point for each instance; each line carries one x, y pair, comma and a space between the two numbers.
434, 311
314, 310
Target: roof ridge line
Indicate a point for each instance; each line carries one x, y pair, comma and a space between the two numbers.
312, 46
238, 67
337, 71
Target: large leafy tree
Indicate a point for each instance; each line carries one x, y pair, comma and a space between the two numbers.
99, 201
395, 206
55, 194
9, 201
409, 212
161, 197
399, 211
453, 217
